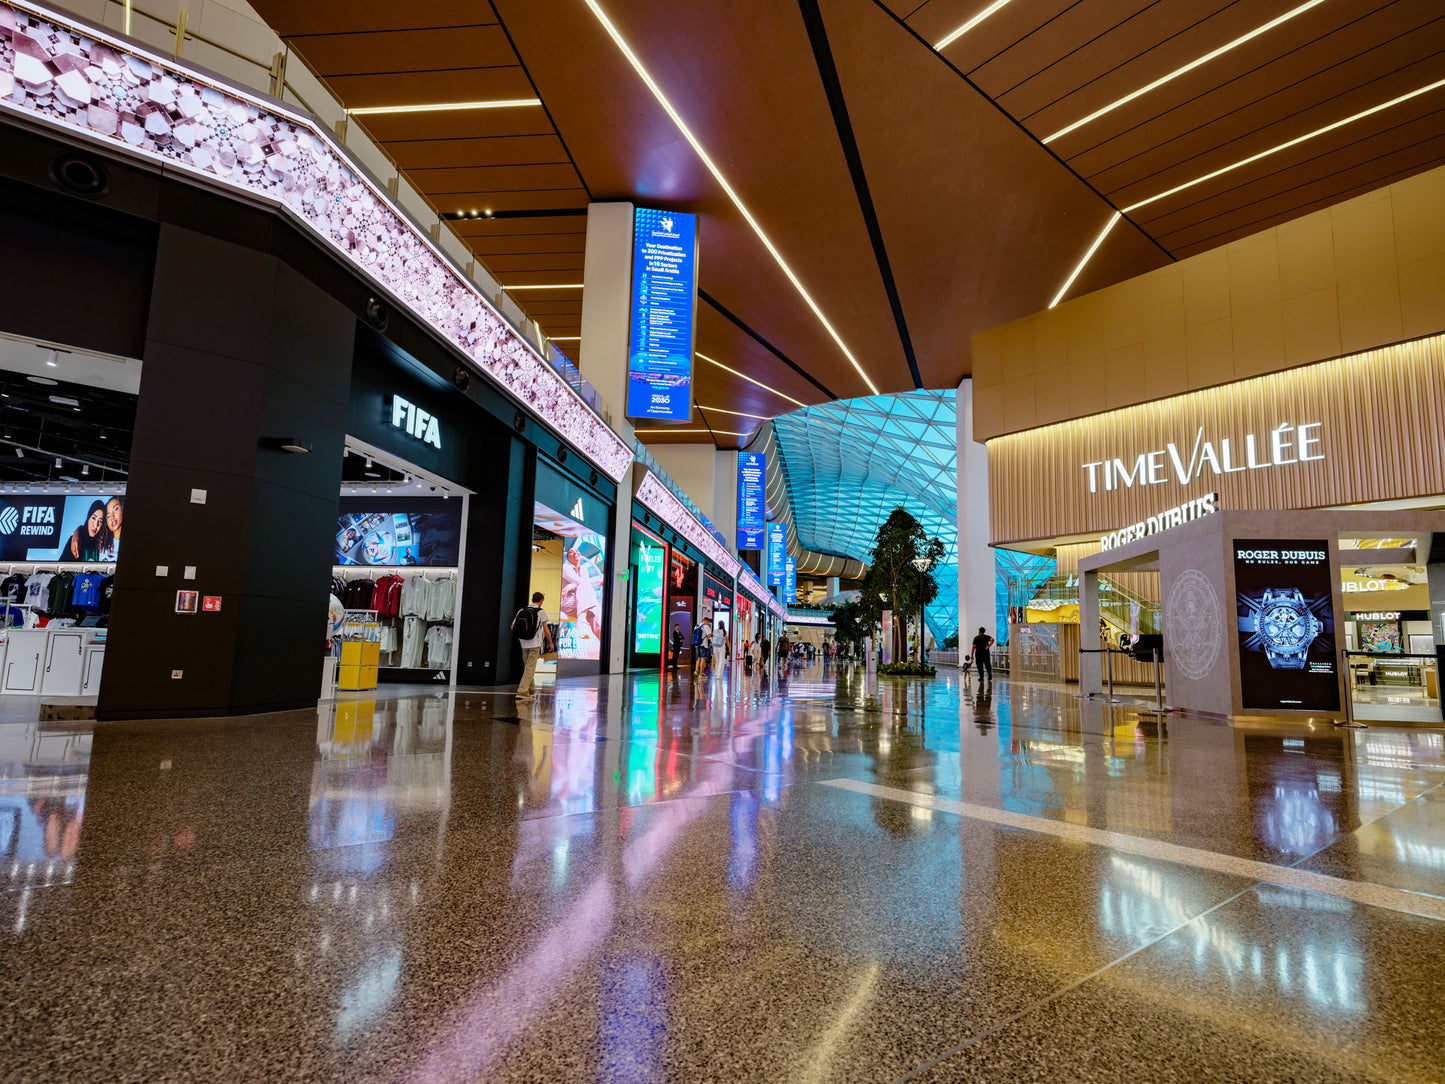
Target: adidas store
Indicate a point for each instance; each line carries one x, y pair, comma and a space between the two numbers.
571, 525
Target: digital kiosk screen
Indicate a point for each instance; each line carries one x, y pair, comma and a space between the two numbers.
1286, 625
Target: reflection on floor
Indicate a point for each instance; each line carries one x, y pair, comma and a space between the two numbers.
638, 878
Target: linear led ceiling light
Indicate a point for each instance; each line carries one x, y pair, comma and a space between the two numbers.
732, 195
736, 413
750, 380
566, 338
966, 27
1113, 221
1288, 144
1177, 72
543, 286
668, 431
443, 107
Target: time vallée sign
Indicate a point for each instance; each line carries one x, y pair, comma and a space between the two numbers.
1281, 446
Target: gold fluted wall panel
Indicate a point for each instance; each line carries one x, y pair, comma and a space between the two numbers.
1382, 435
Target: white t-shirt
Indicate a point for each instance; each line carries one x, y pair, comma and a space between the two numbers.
536, 641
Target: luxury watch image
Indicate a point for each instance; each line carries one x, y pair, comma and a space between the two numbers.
1287, 627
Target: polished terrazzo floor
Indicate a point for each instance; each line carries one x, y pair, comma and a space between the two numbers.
636, 879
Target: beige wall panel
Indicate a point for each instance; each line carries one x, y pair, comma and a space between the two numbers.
1381, 436
1361, 275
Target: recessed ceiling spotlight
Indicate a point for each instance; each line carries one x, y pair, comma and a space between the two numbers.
42, 380
373, 474
65, 400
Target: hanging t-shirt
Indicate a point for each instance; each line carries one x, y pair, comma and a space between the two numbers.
13, 589
85, 592
37, 590
107, 588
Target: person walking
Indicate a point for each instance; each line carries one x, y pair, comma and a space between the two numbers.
676, 648
530, 629
765, 648
981, 644
701, 648
720, 646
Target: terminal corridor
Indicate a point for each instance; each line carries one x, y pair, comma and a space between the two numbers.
830, 877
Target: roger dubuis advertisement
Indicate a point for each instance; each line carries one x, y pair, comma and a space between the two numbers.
1286, 624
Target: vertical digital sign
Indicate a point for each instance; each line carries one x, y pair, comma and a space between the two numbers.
1286, 625
660, 338
650, 559
790, 582
752, 511
777, 553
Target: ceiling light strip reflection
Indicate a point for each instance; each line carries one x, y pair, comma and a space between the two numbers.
732, 195
1177, 72
966, 27
1064, 289
666, 431
543, 286
442, 107
750, 380
737, 413
1287, 145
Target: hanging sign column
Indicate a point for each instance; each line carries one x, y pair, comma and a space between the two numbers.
777, 553
664, 300
752, 512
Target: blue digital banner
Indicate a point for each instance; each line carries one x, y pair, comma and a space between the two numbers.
777, 553
664, 293
752, 511
790, 582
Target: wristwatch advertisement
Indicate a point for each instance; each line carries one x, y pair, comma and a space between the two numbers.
1285, 590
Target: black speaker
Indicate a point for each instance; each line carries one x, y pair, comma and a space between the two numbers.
80, 175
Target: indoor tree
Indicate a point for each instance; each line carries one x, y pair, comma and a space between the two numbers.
892, 581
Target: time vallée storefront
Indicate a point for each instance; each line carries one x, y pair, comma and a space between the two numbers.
1332, 585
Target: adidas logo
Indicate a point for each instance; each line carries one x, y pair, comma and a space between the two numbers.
576, 512
9, 519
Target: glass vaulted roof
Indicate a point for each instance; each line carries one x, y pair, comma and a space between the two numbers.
849, 464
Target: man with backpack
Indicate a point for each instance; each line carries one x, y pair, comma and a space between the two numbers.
530, 629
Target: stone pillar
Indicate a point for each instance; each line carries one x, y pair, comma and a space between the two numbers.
1091, 663
240, 351
976, 574
606, 302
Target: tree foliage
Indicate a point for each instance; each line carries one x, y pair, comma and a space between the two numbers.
848, 622
892, 583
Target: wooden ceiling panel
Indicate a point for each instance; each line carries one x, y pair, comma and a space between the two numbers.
727, 344
497, 151
1379, 159
1150, 124
519, 178
1120, 77
1157, 39
433, 87
426, 49
996, 34
502, 263
1054, 41
291, 19
966, 219
516, 244
1295, 111
561, 199
539, 224
461, 124
772, 131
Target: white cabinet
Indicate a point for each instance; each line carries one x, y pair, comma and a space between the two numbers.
24, 660
90, 672
64, 662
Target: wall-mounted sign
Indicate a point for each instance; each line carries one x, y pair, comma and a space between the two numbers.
752, 510
1281, 446
186, 601
416, 422
1286, 625
1173, 517
664, 295
649, 557
777, 553
211, 604
398, 531
1376, 615
790, 581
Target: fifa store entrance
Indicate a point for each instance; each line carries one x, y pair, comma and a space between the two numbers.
68, 418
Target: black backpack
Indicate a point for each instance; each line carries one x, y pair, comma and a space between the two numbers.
524, 625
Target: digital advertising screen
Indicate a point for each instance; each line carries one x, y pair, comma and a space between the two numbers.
752, 510
660, 338
60, 529
1380, 637
579, 630
790, 581
425, 532
777, 553
649, 557
1286, 625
